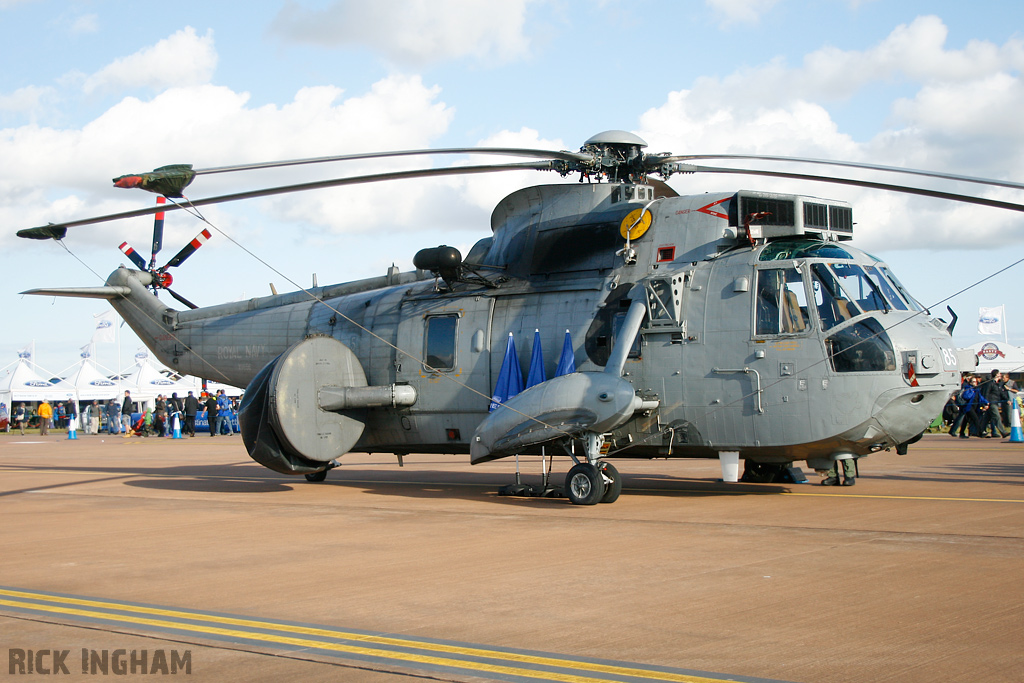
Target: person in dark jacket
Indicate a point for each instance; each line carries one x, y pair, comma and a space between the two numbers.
191, 408
211, 413
992, 390
971, 401
126, 415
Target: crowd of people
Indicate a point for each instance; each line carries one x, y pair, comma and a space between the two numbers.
118, 416
981, 407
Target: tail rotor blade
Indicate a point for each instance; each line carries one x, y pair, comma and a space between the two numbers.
188, 250
158, 232
135, 257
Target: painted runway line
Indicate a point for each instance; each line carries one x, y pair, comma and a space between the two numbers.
379, 649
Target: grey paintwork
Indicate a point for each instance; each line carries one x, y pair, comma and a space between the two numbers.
553, 254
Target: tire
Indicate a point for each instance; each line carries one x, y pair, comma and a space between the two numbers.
612, 490
316, 477
584, 485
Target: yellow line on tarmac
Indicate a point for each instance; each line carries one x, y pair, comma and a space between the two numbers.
868, 495
339, 647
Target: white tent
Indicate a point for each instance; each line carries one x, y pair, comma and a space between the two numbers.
231, 391
149, 381
23, 383
91, 385
998, 356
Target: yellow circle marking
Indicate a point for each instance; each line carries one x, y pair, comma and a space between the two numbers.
635, 224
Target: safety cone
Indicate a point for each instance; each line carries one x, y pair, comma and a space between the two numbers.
1015, 432
72, 430
176, 427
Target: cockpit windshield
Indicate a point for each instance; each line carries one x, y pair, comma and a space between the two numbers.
902, 290
840, 288
859, 287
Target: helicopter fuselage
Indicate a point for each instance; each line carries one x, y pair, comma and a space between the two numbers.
762, 331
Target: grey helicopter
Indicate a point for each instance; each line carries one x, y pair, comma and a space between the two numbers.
738, 325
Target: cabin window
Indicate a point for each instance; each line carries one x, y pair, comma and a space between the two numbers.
864, 347
781, 302
442, 331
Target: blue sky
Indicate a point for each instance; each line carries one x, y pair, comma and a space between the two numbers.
93, 90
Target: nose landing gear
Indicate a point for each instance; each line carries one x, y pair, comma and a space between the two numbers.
594, 481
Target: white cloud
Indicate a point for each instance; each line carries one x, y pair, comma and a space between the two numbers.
412, 32
54, 174
179, 60
26, 100
87, 23
740, 11
963, 118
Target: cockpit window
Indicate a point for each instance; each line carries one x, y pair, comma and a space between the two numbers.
859, 287
781, 250
833, 305
887, 289
781, 302
902, 290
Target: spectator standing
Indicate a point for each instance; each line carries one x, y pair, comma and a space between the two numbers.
223, 413
45, 412
971, 401
992, 392
160, 416
174, 408
113, 417
21, 417
126, 414
211, 413
93, 424
191, 408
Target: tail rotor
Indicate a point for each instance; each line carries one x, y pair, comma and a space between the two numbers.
161, 278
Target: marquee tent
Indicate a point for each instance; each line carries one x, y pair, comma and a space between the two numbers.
233, 392
23, 383
149, 382
91, 385
998, 356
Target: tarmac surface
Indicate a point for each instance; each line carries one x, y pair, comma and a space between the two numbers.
384, 573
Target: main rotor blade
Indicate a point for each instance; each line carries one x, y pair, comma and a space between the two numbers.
180, 298
848, 164
58, 230
188, 250
502, 151
951, 196
158, 231
135, 257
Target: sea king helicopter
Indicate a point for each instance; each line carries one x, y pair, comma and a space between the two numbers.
738, 325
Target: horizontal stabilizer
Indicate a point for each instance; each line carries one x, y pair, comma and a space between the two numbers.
107, 292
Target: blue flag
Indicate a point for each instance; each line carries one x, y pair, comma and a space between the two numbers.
567, 363
510, 379
536, 374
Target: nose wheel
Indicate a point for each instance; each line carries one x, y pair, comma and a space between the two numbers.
589, 484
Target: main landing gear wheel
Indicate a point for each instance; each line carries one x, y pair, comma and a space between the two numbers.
316, 477
584, 484
614, 487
